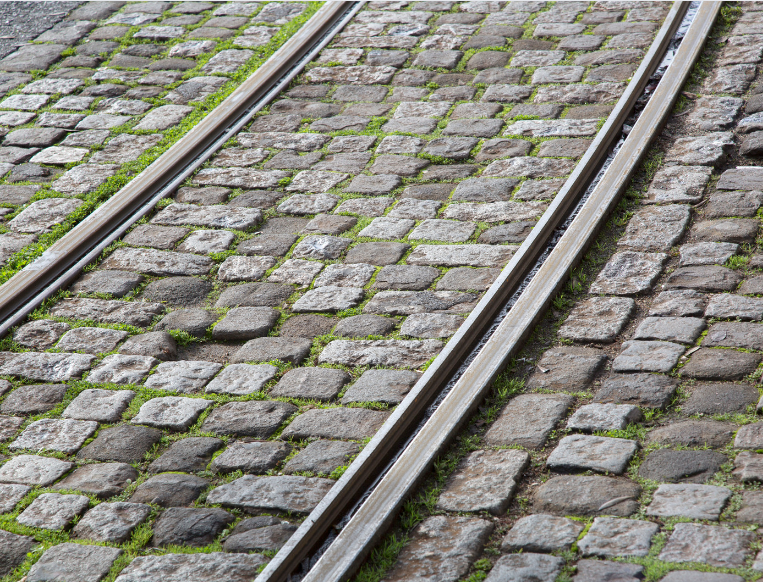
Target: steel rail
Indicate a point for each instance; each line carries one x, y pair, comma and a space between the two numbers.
345, 553
59, 265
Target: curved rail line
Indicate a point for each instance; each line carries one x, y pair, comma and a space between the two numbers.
341, 554
62, 262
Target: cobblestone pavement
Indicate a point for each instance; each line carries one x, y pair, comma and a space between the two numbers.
632, 450
20, 22
122, 83
195, 393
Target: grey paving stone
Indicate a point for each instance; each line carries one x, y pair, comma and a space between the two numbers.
284, 493
33, 399
45, 367
409, 302
685, 466
392, 353
123, 443
707, 544
749, 436
466, 279
692, 575
707, 149
724, 204
679, 184
322, 384
542, 533
190, 454
170, 490
111, 522
271, 537
679, 303
484, 481
442, 548
13, 551
525, 566
738, 230
528, 420
693, 433
389, 386
122, 369
675, 329
704, 278
734, 334
320, 247
747, 467
189, 526
603, 417
250, 457
431, 325
656, 228
354, 276
587, 496
40, 334
387, 228
92, 340
322, 457
611, 537
598, 319
338, 423
715, 113
9, 425
474, 255
254, 295
629, 273
307, 326
241, 379
209, 216
243, 323
10, 495
183, 376
567, 368
207, 241
103, 480
707, 253
66, 561
710, 364
53, 511
689, 500
156, 344
116, 283
193, 321
643, 390
329, 224
158, 237
159, 263
33, 470
41, 216
647, 356
258, 419
720, 399
364, 325
602, 571
244, 177
583, 452
267, 349
63, 435
204, 567
171, 412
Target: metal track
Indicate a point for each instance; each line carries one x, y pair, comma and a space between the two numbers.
344, 554
58, 266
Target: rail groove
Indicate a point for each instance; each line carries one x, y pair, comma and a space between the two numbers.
344, 553
61, 263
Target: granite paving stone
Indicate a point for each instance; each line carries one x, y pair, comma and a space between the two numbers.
66, 561
738, 230
605, 454
13, 551
683, 330
515, 567
598, 319
53, 510
714, 545
685, 466
282, 493
602, 571
656, 228
271, 537
611, 537
603, 417
189, 454
169, 490
587, 496
122, 443
442, 548
647, 356
183, 376
254, 295
250, 457
33, 470
171, 412
707, 253
252, 418
48, 367
542, 533
40, 334
41, 216
205, 567
63, 435
272, 348
342, 423
321, 457
321, 384
188, 526
111, 522
111, 282
103, 480
122, 369
567, 368
33, 399
643, 390
484, 481
689, 500
629, 273
92, 340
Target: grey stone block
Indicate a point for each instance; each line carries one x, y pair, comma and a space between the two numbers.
288, 493
258, 419
169, 490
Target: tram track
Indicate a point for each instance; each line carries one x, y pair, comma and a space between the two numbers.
367, 522
334, 539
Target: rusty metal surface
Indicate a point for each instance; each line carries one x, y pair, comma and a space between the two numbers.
350, 547
61, 263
